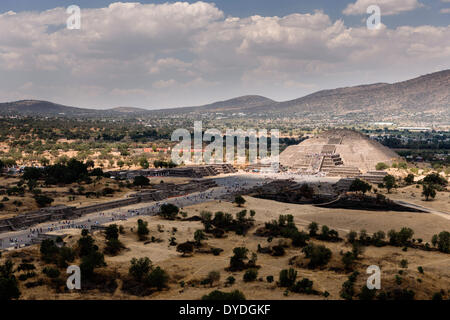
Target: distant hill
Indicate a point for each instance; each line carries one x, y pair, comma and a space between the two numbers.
42, 108
428, 93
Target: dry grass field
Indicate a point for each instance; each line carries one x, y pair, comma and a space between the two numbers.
192, 269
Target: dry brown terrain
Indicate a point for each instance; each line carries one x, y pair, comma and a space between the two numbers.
194, 269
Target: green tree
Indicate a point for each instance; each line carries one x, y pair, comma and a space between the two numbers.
250, 275
287, 277
141, 181
142, 230
359, 185
169, 211
442, 241
239, 200
389, 182
237, 260
157, 278
140, 268
319, 255
428, 191
199, 235
9, 288
381, 166
313, 227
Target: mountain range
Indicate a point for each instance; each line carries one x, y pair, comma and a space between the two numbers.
428, 93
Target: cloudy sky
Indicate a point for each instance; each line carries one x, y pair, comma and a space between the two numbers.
158, 54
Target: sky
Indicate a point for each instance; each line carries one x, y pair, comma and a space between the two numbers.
160, 54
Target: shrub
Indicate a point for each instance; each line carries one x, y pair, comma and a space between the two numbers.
112, 232
237, 260
299, 239
185, 248
420, 269
142, 230
313, 228
319, 255
141, 181
278, 251
404, 263
199, 235
48, 250
140, 268
230, 281
442, 241
214, 276
43, 201
287, 278
9, 288
157, 278
91, 261
239, 200
366, 293
169, 211
381, 166
269, 279
51, 272
428, 191
304, 286
250, 275
360, 186
66, 254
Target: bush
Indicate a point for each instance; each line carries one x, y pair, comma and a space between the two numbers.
381, 166
43, 201
112, 232
401, 238
169, 211
367, 294
140, 268
66, 255
142, 230
51, 272
185, 248
319, 255
250, 275
91, 261
304, 286
230, 281
313, 228
389, 182
299, 239
213, 276
269, 279
404, 263
287, 278
237, 260
113, 247
359, 185
217, 295
48, 250
9, 288
278, 251
420, 269
141, 181
442, 241
157, 278
239, 200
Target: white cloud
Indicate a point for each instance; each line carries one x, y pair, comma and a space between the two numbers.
185, 54
388, 7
